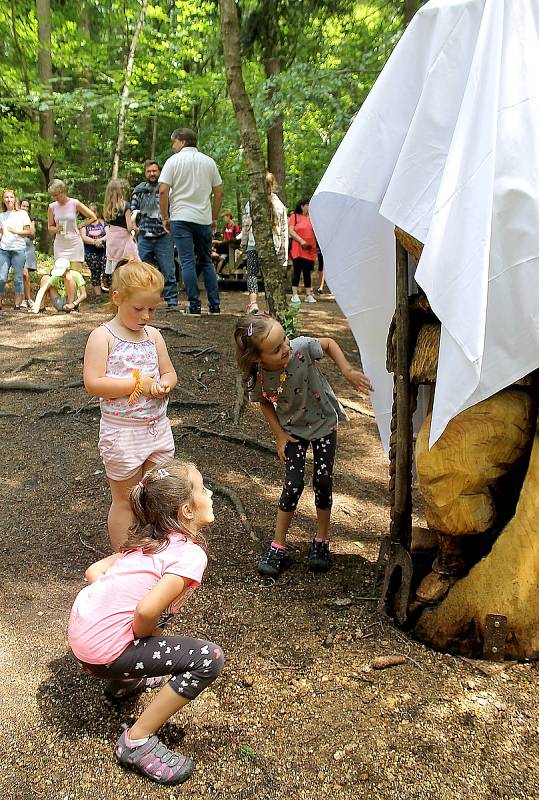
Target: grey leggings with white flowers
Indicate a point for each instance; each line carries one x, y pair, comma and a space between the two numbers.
193, 663
323, 458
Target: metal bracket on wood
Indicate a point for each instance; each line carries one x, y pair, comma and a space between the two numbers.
495, 637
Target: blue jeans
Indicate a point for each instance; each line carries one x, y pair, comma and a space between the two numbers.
159, 250
16, 259
192, 238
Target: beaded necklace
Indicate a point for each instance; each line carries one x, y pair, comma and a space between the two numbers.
274, 398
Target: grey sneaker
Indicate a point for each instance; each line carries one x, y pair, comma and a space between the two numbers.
154, 760
318, 558
272, 561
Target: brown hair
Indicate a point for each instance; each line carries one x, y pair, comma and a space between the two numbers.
155, 503
249, 332
115, 198
4, 207
186, 135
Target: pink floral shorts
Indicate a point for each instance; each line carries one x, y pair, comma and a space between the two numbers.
124, 445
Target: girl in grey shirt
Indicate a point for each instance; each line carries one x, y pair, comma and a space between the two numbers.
301, 409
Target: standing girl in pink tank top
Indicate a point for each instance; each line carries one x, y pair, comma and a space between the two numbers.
126, 365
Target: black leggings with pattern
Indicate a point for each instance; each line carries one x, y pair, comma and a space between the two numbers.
323, 461
96, 261
193, 663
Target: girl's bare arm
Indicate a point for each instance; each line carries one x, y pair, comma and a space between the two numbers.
98, 568
152, 605
168, 379
354, 376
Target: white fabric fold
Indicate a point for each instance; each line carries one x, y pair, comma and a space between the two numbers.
446, 146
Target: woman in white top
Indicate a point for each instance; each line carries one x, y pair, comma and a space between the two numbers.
14, 230
279, 226
62, 221
31, 258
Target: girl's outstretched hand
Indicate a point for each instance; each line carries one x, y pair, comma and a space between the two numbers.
281, 441
358, 380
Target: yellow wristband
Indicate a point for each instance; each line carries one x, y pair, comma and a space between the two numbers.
137, 391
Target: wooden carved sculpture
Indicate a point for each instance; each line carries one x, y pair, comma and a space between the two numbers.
479, 485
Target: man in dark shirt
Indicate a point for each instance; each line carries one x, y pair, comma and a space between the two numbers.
155, 245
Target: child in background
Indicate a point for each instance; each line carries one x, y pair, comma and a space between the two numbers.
126, 365
113, 627
120, 226
94, 237
64, 287
301, 409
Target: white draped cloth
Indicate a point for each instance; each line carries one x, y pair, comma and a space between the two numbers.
446, 146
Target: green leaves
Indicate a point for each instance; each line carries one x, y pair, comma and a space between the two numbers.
331, 52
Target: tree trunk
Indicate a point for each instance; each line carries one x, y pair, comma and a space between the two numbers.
275, 136
273, 272
410, 8
125, 91
153, 145
46, 120
85, 118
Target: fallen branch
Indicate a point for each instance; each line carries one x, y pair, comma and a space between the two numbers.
9, 414
384, 662
25, 386
89, 547
39, 360
350, 404
225, 491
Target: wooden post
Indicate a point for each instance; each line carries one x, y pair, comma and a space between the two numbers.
402, 511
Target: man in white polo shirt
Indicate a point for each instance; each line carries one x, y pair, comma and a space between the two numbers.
186, 185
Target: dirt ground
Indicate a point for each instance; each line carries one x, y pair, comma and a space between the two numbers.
298, 711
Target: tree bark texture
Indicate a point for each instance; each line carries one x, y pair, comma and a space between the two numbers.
125, 90
46, 119
275, 136
273, 272
85, 119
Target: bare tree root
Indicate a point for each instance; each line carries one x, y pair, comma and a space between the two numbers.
196, 351
248, 441
225, 491
26, 386
241, 398
39, 360
191, 403
170, 329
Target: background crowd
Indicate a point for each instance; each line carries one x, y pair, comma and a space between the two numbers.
170, 219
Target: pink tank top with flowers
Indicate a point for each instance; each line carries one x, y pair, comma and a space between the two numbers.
123, 358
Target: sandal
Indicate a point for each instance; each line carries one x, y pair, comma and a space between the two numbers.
122, 689
154, 760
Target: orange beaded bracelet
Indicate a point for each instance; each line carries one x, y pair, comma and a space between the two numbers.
137, 391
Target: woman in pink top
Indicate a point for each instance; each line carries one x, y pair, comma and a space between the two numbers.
302, 251
114, 624
127, 365
63, 222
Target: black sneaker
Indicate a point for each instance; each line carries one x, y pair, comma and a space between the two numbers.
215, 309
271, 561
318, 558
194, 311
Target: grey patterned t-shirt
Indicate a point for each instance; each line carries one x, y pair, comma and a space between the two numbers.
307, 407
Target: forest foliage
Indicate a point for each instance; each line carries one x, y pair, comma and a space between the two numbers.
329, 53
